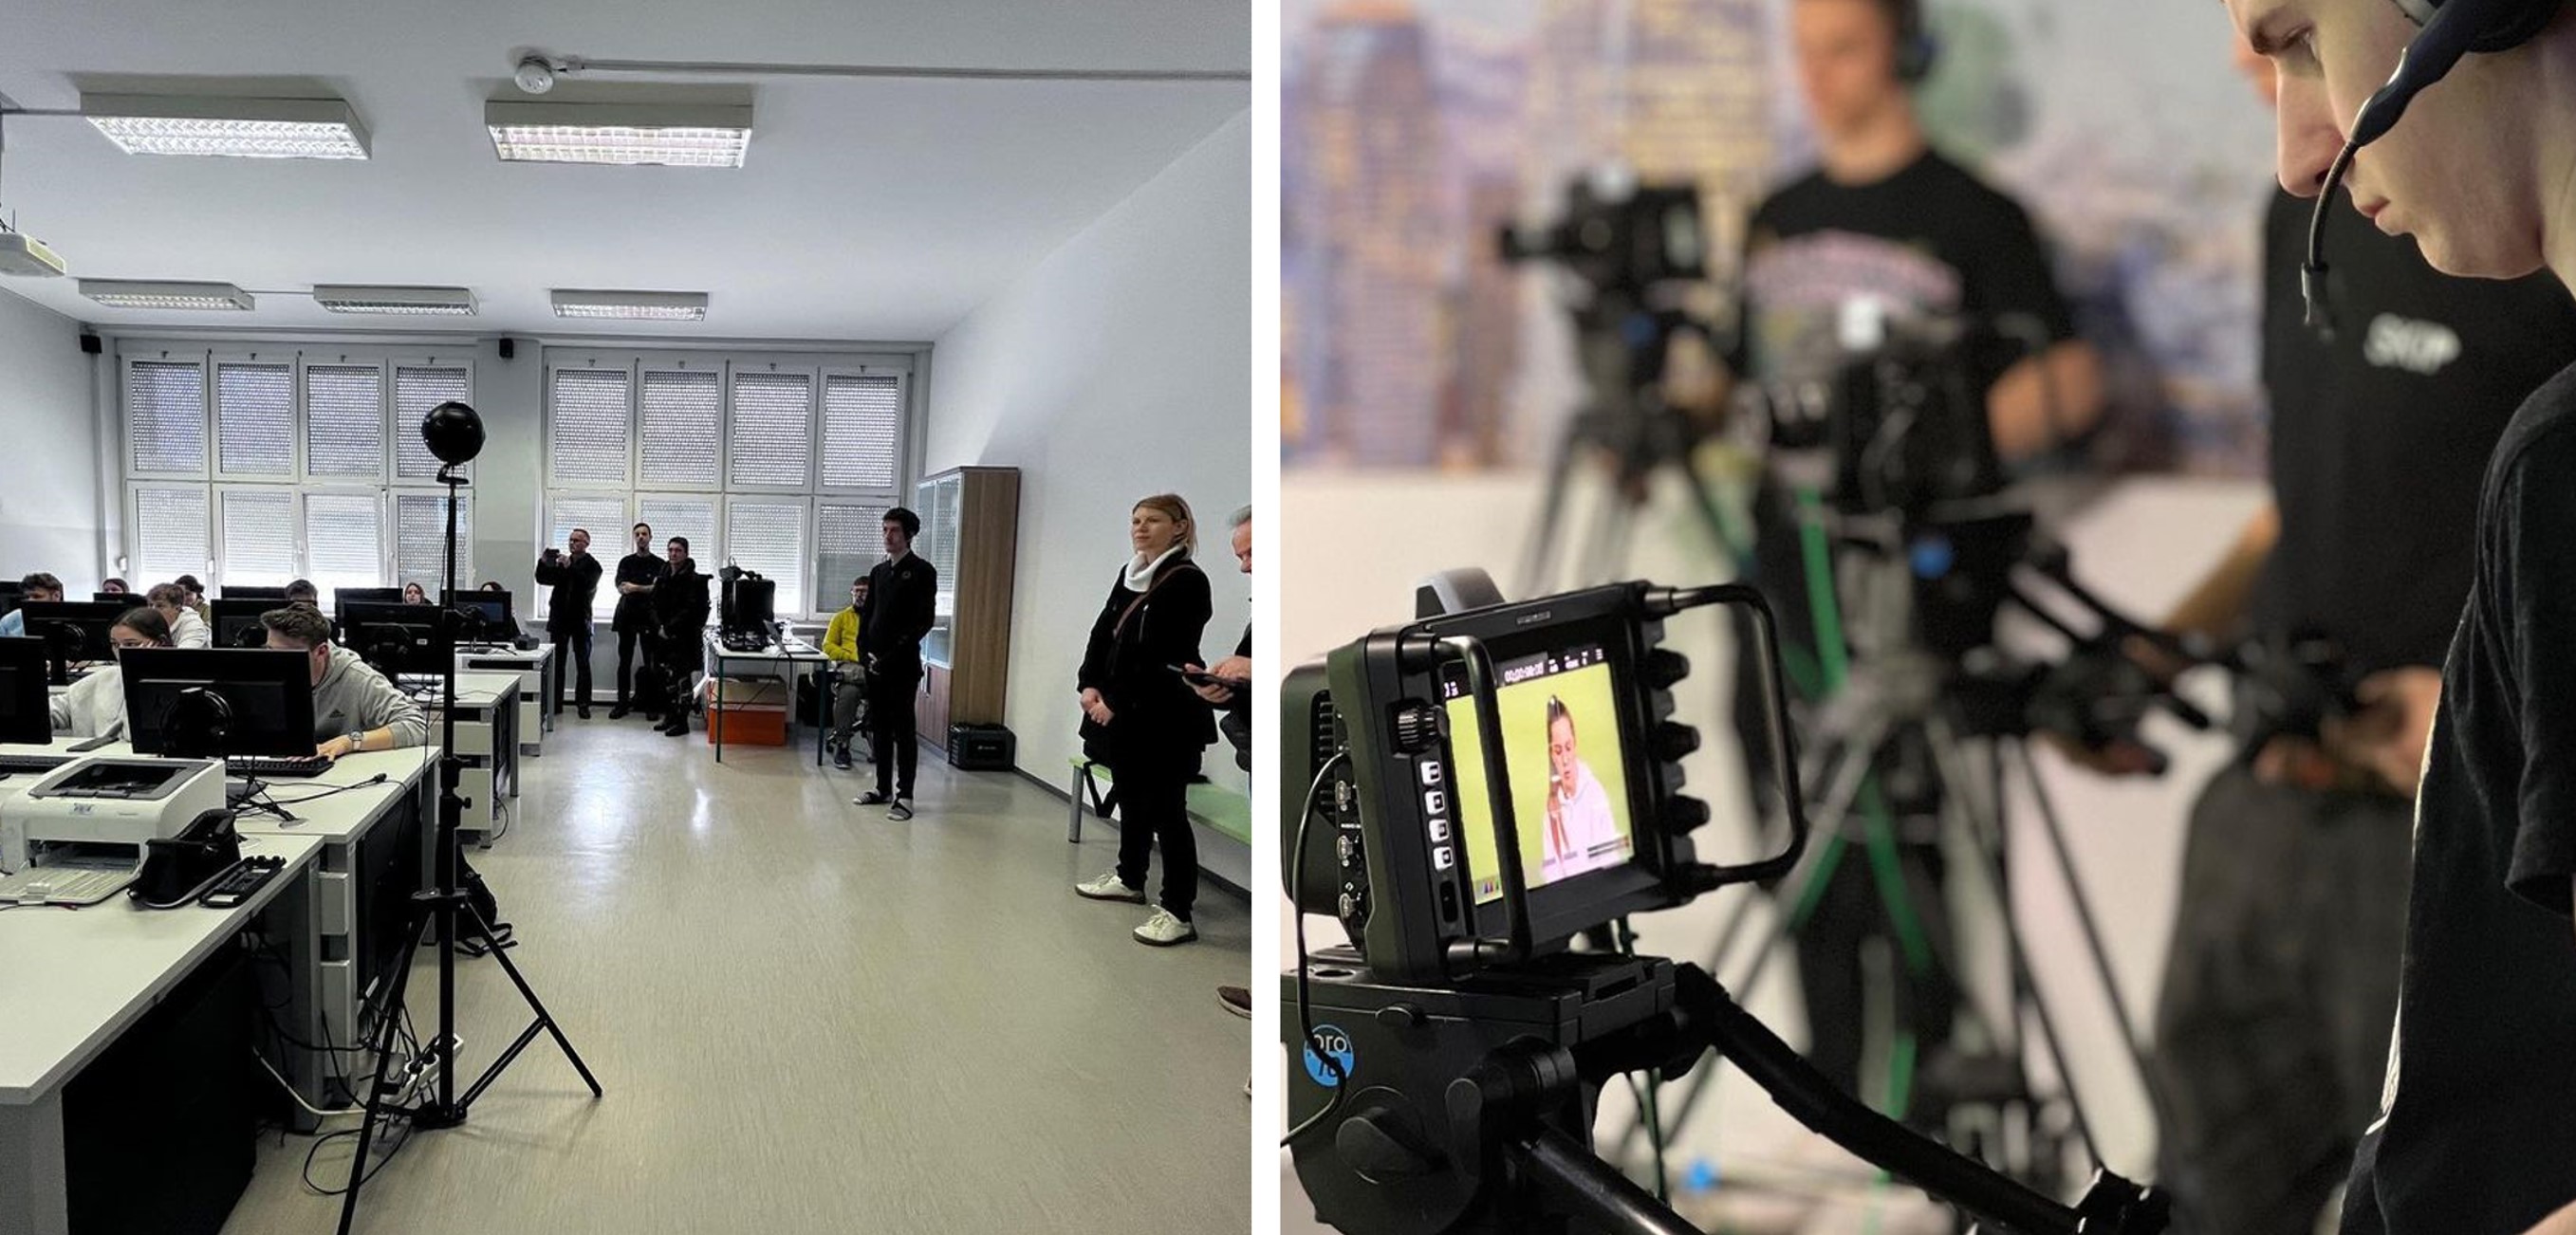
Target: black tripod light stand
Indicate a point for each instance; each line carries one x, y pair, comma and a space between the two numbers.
454, 434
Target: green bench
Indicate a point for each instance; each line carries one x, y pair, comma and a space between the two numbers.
1216, 806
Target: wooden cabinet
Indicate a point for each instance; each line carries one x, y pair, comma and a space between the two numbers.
970, 525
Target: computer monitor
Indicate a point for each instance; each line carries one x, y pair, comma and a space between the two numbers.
75, 630
393, 637
26, 713
341, 597
750, 603
268, 693
127, 599
237, 623
233, 592
489, 611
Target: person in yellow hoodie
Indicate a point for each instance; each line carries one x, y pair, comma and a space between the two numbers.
849, 672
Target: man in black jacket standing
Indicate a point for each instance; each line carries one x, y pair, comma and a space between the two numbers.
575, 580
637, 572
680, 623
901, 607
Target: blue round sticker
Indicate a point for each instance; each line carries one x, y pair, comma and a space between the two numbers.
1338, 1045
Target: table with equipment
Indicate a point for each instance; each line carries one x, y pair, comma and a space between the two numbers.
786, 662
538, 686
83, 1111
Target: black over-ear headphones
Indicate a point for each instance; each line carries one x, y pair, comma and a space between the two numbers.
2452, 29
1915, 50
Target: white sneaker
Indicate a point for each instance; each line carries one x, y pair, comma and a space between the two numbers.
1163, 930
1109, 888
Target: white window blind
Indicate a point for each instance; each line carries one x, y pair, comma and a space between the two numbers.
420, 541
683, 429
255, 420
850, 538
344, 544
862, 431
344, 422
418, 388
768, 536
773, 430
588, 427
259, 536
165, 417
564, 512
171, 533
684, 515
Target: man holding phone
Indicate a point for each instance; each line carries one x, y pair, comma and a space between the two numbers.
575, 580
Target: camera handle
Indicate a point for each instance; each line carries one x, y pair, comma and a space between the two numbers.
1497, 1116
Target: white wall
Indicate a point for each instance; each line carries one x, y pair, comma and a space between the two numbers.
49, 503
1118, 367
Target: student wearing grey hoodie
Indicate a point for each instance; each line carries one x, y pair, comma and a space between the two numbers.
354, 708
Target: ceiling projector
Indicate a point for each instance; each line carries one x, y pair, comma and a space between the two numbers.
24, 254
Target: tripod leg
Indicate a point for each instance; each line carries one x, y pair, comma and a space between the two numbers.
1988, 832
2101, 956
1560, 472
388, 1021
545, 1020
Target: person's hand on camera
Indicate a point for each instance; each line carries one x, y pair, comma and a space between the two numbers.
2385, 739
1096, 707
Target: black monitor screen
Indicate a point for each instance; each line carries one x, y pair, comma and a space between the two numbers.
269, 693
25, 710
232, 592
490, 612
127, 599
342, 598
237, 623
393, 637
75, 630
749, 604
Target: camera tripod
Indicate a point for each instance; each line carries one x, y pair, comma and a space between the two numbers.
441, 905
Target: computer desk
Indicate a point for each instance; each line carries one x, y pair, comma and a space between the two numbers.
489, 712
538, 685
100, 969
782, 663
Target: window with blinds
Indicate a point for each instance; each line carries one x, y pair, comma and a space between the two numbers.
849, 539
689, 517
165, 418
172, 536
420, 541
682, 414
259, 528
417, 389
255, 420
344, 423
772, 445
587, 415
862, 431
303, 465
344, 543
769, 536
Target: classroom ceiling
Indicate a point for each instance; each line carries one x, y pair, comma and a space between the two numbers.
880, 210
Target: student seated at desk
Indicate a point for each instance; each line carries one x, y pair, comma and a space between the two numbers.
39, 588
187, 630
95, 705
354, 707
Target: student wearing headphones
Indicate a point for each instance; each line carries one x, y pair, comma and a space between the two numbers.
2476, 1129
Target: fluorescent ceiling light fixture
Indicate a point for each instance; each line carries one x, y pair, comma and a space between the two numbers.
129, 294
394, 301
626, 134
237, 128
656, 306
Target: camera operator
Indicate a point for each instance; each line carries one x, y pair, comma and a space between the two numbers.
1884, 220
2474, 1133
2277, 983
575, 580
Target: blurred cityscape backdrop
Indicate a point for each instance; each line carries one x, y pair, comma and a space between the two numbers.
1413, 129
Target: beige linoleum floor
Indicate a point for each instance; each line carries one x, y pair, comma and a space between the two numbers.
809, 1018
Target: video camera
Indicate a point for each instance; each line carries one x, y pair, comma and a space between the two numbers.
1494, 780
1614, 234
1900, 426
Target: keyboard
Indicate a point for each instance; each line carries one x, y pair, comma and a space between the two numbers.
66, 885
274, 767
31, 763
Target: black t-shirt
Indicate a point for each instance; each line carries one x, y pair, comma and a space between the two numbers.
1930, 241
903, 604
2477, 1130
2379, 436
635, 609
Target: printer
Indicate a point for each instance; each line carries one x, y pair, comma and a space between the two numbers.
121, 802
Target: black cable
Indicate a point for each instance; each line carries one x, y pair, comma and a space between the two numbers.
1305, 1012
35, 905
378, 779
